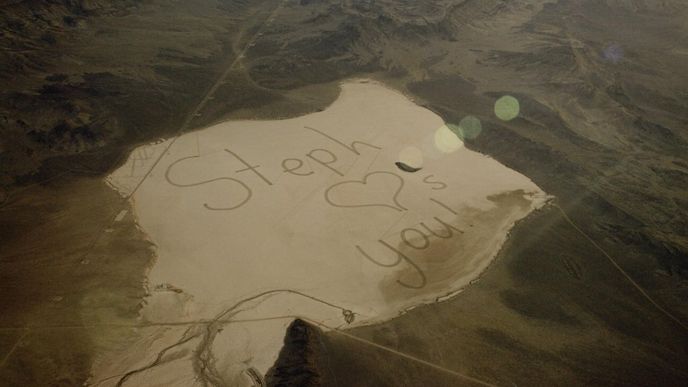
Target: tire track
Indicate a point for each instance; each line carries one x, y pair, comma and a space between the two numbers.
203, 358
158, 358
210, 94
14, 348
186, 124
407, 356
623, 272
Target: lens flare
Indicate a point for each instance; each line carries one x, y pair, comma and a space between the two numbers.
469, 128
447, 140
507, 108
613, 53
411, 156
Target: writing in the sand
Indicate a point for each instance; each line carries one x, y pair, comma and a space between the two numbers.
415, 238
294, 166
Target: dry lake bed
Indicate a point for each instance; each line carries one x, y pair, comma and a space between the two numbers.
346, 217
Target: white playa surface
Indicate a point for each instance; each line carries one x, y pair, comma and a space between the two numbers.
292, 209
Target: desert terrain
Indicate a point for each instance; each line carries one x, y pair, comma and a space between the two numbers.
589, 289
318, 223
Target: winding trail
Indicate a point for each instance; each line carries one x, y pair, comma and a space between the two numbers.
187, 124
622, 271
158, 358
210, 94
204, 360
14, 348
402, 354
207, 330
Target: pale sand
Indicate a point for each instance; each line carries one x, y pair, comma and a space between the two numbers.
224, 240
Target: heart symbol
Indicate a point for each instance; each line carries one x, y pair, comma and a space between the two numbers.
364, 182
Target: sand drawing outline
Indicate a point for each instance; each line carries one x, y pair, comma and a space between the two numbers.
426, 240
352, 147
448, 227
249, 192
400, 257
364, 181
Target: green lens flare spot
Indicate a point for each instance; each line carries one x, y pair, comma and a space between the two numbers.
469, 128
507, 108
